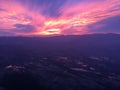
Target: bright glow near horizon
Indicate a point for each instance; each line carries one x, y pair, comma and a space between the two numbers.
49, 17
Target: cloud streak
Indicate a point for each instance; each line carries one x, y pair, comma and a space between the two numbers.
48, 17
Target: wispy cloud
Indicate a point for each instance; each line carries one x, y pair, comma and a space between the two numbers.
44, 17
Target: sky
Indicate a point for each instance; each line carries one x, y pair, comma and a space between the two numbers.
58, 17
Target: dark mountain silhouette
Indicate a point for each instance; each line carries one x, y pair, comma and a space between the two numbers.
18, 80
86, 62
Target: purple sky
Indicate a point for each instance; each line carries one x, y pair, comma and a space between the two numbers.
54, 17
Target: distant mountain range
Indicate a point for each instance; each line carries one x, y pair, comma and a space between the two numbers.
87, 45
74, 62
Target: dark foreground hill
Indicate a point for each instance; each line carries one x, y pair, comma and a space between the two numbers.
87, 62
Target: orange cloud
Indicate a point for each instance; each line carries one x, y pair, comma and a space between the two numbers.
74, 18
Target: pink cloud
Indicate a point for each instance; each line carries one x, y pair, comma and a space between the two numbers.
74, 18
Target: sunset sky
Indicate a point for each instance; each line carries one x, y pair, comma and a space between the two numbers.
59, 17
